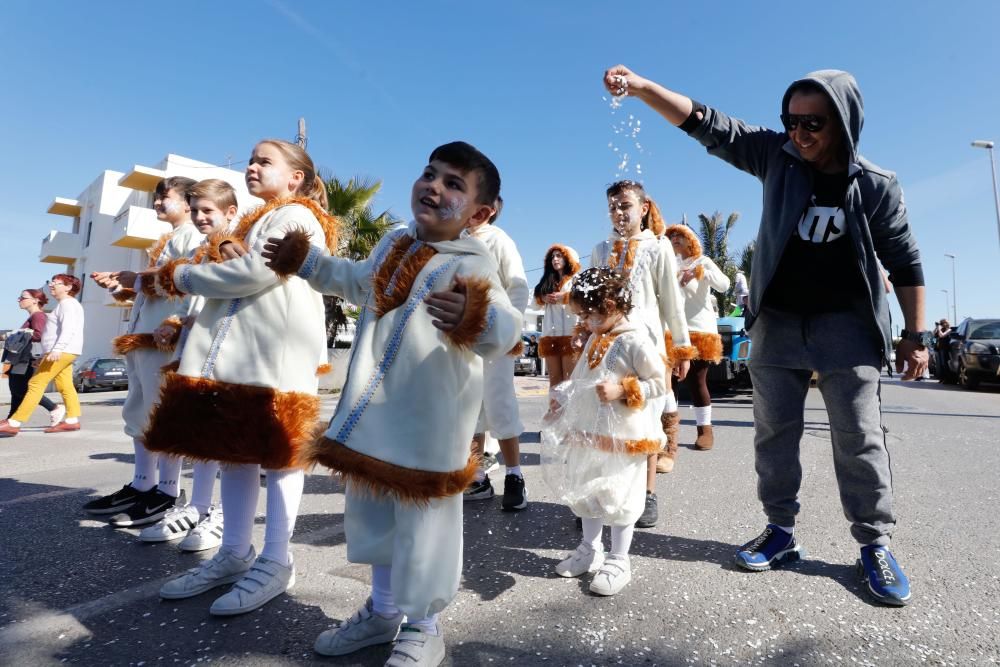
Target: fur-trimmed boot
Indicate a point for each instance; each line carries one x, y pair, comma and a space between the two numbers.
665, 459
705, 438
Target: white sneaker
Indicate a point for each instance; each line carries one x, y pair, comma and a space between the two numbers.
174, 525
57, 415
364, 628
613, 575
223, 568
416, 648
265, 580
207, 534
581, 560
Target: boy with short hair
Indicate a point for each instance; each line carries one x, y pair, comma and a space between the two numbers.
432, 305
500, 415
147, 345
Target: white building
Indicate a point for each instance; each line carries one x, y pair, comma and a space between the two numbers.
113, 223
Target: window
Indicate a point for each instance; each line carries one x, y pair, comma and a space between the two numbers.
90, 228
126, 314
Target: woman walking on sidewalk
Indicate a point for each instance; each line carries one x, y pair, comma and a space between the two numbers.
62, 343
20, 358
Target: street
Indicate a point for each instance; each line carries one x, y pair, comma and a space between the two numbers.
74, 590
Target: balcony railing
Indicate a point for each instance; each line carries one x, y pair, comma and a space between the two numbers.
61, 248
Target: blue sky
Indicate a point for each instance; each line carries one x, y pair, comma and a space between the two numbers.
93, 86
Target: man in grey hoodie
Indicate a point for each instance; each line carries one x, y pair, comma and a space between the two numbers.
817, 303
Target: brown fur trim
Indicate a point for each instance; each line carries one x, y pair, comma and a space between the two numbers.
572, 259
633, 392
555, 346
654, 219
165, 278
694, 244
234, 423
383, 478
670, 422
400, 271
294, 250
709, 346
517, 350
675, 353
616, 254
323, 369
123, 294
329, 224
172, 367
156, 249
122, 345
148, 286
644, 447
699, 272
211, 249
477, 303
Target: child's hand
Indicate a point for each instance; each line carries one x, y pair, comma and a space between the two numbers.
620, 81
230, 250
610, 391
286, 255
103, 278
165, 335
686, 276
447, 308
188, 321
579, 341
126, 278
682, 368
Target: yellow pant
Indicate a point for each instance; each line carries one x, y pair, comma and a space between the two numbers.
61, 372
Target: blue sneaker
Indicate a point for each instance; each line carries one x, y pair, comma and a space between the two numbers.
885, 579
768, 549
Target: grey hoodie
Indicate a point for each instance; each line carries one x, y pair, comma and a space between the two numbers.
873, 205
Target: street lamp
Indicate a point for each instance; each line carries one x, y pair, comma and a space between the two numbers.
988, 145
954, 292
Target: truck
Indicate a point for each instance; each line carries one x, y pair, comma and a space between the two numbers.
733, 372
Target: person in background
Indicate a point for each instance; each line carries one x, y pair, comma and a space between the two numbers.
19, 356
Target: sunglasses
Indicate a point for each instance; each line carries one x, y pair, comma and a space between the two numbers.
810, 122
24, 298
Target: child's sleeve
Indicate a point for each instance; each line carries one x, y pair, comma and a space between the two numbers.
348, 279
648, 377
512, 268
246, 275
671, 302
714, 276
490, 326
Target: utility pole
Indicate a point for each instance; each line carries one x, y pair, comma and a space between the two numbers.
301, 138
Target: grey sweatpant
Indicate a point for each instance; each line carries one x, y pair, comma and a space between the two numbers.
844, 351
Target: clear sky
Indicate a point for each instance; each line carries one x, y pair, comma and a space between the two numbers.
89, 86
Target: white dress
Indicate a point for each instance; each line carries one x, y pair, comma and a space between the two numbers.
593, 453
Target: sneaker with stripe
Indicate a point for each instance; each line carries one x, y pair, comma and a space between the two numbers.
207, 534
772, 547
174, 525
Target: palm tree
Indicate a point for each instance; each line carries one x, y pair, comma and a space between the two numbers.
714, 236
352, 203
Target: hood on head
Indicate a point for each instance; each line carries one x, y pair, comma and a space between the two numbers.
694, 243
845, 95
571, 257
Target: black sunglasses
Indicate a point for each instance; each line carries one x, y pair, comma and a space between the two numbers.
810, 122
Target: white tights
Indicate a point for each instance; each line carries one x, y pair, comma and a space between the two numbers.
383, 604
240, 490
621, 536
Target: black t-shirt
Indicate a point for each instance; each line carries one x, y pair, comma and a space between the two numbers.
819, 271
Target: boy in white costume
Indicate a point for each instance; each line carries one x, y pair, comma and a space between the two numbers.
244, 393
147, 346
500, 414
431, 306
595, 450
199, 524
647, 260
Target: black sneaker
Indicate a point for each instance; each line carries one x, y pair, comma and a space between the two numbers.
479, 490
651, 514
515, 497
120, 500
150, 508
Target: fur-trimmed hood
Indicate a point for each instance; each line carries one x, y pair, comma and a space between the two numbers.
572, 258
694, 243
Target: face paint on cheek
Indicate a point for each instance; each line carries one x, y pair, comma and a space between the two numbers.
172, 206
270, 180
451, 209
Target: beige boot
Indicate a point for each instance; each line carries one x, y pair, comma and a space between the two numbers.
705, 438
665, 459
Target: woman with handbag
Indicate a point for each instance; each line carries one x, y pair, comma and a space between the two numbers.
20, 359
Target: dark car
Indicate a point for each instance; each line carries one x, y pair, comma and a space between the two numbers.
100, 373
524, 364
971, 353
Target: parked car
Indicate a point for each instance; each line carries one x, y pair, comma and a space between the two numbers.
100, 373
523, 364
733, 372
971, 353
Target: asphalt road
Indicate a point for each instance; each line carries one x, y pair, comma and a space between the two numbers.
74, 590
